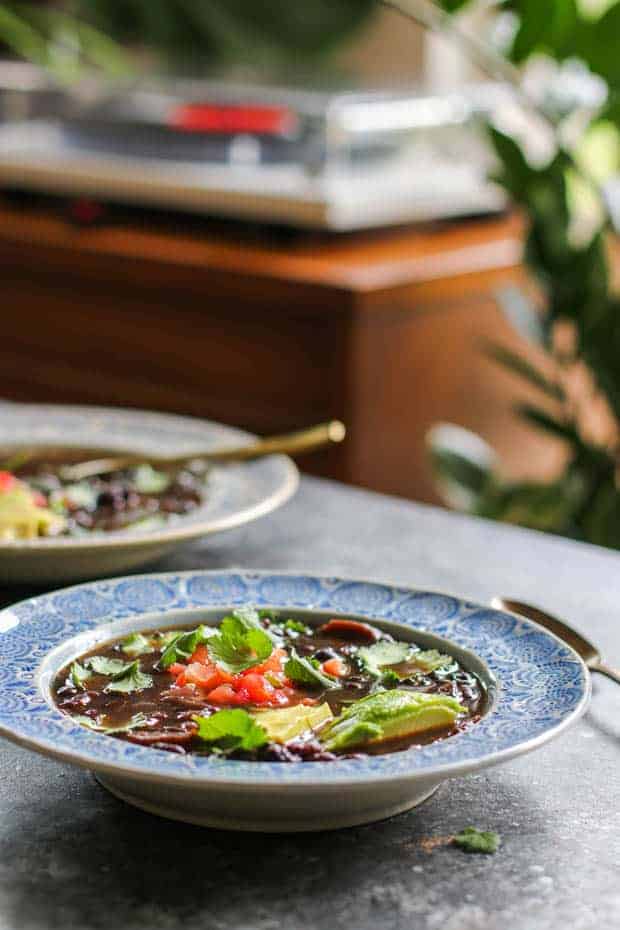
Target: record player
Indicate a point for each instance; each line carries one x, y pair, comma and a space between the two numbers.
339, 159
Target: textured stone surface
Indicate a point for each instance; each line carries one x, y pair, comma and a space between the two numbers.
72, 856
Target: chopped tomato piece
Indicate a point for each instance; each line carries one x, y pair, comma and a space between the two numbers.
177, 668
258, 688
334, 667
7, 480
226, 694
272, 664
351, 629
201, 654
205, 676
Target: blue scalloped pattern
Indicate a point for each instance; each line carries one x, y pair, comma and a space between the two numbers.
543, 684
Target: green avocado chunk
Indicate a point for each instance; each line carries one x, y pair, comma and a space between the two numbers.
389, 715
21, 517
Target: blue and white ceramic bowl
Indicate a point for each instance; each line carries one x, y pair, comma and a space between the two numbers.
538, 686
236, 493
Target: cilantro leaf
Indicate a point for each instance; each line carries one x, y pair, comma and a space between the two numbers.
477, 841
137, 722
79, 675
383, 653
104, 666
296, 626
228, 730
136, 645
183, 644
303, 672
237, 647
430, 660
129, 679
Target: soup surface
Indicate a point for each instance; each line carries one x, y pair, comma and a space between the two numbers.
35, 499
261, 686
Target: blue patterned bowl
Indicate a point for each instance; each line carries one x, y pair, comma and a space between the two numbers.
237, 493
539, 686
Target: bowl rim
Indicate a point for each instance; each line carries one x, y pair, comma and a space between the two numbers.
300, 776
173, 532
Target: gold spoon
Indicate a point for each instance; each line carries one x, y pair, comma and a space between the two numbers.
583, 647
297, 443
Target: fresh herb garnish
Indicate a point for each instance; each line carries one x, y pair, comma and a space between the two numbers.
137, 722
374, 657
79, 675
104, 666
477, 841
183, 644
296, 626
430, 660
136, 645
147, 480
390, 677
302, 671
239, 645
227, 730
131, 678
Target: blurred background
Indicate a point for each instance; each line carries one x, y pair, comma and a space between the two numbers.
271, 214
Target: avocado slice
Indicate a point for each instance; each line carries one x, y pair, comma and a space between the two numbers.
286, 723
22, 518
389, 715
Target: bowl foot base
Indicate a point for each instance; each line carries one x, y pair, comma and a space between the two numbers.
219, 818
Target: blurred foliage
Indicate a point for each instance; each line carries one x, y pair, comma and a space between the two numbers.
574, 316
188, 35
50, 35
198, 30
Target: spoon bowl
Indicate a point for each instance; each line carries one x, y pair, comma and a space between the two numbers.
582, 646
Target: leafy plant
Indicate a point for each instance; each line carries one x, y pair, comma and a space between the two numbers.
574, 316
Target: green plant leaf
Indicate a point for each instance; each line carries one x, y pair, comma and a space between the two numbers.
137, 645
472, 840
374, 658
463, 464
79, 675
102, 665
521, 366
181, 646
237, 646
303, 672
544, 421
228, 730
130, 679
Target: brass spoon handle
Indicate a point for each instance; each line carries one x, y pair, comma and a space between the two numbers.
296, 443
606, 670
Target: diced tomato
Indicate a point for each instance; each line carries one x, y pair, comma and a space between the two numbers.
177, 668
7, 480
201, 654
334, 667
272, 664
226, 694
351, 629
310, 702
258, 688
205, 676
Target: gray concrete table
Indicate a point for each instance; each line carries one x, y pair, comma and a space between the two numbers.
74, 857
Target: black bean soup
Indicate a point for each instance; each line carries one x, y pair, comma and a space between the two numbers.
262, 686
115, 501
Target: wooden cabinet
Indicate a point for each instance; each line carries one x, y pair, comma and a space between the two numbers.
268, 330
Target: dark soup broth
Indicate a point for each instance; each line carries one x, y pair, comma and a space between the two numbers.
263, 686
37, 500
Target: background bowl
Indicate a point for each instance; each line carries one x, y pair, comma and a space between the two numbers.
236, 494
538, 687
